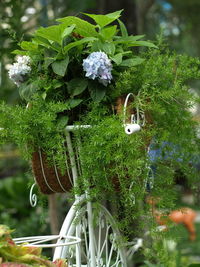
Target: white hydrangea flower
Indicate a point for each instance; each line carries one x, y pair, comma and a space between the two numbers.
98, 65
19, 69
23, 60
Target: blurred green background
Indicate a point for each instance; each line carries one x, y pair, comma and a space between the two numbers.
176, 20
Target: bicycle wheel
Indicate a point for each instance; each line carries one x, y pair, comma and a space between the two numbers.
108, 243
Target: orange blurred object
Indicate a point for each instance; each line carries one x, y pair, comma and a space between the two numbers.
186, 216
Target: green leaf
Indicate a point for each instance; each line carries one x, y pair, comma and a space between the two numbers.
60, 66
108, 48
26, 90
115, 15
108, 32
72, 103
117, 58
83, 27
77, 86
131, 62
103, 20
53, 33
143, 43
29, 46
19, 52
68, 31
48, 61
44, 42
80, 42
129, 39
57, 83
96, 46
123, 29
97, 90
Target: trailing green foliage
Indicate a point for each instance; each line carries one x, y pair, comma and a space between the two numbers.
160, 86
39, 125
114, 163
118, 164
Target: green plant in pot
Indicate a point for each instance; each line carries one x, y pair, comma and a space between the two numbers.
76, 72
59, 73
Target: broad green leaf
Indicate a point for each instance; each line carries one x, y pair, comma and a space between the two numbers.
29, 46
48, 61
129, 52
107, 47
44, 42
57, 83
41, 41
60, 66
67, 31
123, 29
80, 42
53, 33
117, 58
108, 32
26, 91
97, 46
115, 15
97, 90
19, 52
83, 27
143, 43
72, 103
77, 86
131, 62
128, 39
103, 20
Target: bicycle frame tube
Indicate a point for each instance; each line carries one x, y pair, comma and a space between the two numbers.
89, 204
67, 223
91, 235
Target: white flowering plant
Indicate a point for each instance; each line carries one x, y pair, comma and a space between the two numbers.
75, 60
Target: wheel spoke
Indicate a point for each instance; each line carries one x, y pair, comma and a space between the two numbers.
117, 262
105, 240
108, 251
109, 259
99, 236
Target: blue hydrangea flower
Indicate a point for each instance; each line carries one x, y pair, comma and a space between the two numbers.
98, 65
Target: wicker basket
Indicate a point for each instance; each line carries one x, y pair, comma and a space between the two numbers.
48, 177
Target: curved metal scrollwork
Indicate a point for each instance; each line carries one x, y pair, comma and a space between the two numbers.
32, 197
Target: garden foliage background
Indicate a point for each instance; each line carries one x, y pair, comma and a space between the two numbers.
178, 23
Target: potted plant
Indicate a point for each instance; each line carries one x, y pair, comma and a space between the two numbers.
76, 72
59, 73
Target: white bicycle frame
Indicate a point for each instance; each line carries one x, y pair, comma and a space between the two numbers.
62, 239
78, 198
73, 211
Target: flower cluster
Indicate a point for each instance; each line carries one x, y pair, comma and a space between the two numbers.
19, 69
98, 65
